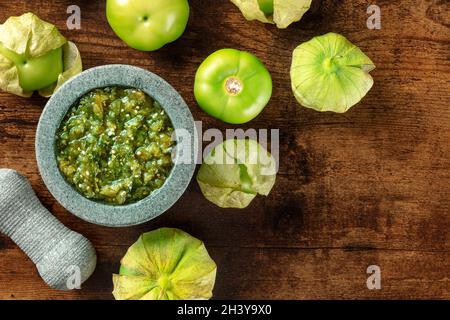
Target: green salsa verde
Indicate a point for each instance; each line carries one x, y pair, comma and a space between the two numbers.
115, 145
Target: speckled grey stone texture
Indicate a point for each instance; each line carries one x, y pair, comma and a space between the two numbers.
57, 252
100, 213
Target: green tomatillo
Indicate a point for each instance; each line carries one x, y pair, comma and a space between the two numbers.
147, 25
233, 86
35, 56
36, 73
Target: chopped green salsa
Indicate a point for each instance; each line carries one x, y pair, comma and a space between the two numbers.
115, 145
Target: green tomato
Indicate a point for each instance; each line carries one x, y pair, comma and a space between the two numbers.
36, 73
148, 25
266, 6
233, 86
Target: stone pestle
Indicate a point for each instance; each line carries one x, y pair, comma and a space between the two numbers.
64, 258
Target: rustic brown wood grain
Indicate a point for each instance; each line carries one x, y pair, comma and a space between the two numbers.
370, 186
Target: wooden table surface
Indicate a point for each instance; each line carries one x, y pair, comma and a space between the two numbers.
368, 187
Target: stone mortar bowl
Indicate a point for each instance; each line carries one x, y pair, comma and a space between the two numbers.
97, 212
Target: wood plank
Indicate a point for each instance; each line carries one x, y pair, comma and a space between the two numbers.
370, 186
270, 273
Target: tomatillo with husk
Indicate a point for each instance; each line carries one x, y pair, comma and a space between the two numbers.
235, 172
34, 56
280, 12
233, 86
329, 73
165, 264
